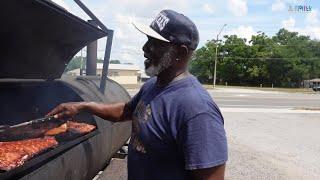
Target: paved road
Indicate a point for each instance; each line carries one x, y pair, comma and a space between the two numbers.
247, 98
242, 98
273, 146
267, 137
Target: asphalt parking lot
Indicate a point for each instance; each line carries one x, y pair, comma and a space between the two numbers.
270, 135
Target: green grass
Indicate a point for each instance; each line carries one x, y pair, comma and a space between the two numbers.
289, 90
208, 86
307, 108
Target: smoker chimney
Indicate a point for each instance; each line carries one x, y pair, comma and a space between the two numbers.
92, 49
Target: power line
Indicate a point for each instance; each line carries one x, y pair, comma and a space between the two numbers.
261, 58
281, 45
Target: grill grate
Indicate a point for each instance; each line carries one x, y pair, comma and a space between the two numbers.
66, 141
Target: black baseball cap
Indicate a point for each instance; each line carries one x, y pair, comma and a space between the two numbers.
172, 27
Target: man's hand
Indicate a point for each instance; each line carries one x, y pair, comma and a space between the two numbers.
66, 110
112, 112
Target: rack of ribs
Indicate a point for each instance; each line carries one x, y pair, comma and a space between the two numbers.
57, 130
81, 128
13, 154
71, 126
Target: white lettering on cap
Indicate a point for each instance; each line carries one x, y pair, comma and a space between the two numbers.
161, 20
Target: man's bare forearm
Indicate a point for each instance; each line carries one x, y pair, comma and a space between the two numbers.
116, 112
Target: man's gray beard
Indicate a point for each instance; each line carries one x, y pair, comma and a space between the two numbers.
152, 70
165, 62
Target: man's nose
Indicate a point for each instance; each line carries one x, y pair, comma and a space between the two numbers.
145, 47
148, 47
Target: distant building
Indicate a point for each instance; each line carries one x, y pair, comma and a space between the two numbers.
314, 82
143, 76
311, 83
121, 73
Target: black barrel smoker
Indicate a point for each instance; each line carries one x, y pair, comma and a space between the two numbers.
38, 40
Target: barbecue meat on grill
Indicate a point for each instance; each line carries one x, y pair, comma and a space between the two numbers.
15, 153
81, 128
71, 127
55, 131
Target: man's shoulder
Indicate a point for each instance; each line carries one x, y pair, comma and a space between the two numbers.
193, 92
193, 99
150, 82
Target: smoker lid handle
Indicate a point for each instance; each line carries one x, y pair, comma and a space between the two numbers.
34, 121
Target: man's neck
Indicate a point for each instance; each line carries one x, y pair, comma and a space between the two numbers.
164, 78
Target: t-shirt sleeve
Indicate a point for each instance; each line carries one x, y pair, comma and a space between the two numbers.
203, 142
134, 101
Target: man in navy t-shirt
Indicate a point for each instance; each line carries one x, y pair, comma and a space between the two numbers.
177, 130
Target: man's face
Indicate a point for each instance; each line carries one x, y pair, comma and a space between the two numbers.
159, 56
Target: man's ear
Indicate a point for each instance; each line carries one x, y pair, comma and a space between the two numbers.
183, 51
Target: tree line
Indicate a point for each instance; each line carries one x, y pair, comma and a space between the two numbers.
283, 60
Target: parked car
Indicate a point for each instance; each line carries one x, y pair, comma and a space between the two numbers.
316, 88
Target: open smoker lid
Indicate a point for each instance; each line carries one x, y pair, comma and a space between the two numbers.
39, 38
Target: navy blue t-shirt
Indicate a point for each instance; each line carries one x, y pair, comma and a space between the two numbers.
175, 129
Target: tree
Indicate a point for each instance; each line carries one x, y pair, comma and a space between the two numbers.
232, 67
285, 60
115, 61
202, 62
100, 60
111, 61
75, 63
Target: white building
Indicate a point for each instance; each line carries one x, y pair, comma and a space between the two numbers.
143, 76
121, 73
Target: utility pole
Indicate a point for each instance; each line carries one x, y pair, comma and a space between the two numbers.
216, 59
81, 62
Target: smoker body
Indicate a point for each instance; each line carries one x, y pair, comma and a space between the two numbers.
27, 99
39, 41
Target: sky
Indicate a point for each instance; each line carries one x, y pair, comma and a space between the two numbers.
242, 17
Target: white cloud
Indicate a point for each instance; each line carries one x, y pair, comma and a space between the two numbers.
238, 7
143, 8
124, 27
312, 29
62, 3
313, 25
312, 18
208, 8
261, 2
289, 23
127, 40
118, 15
278, 5
243, 32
